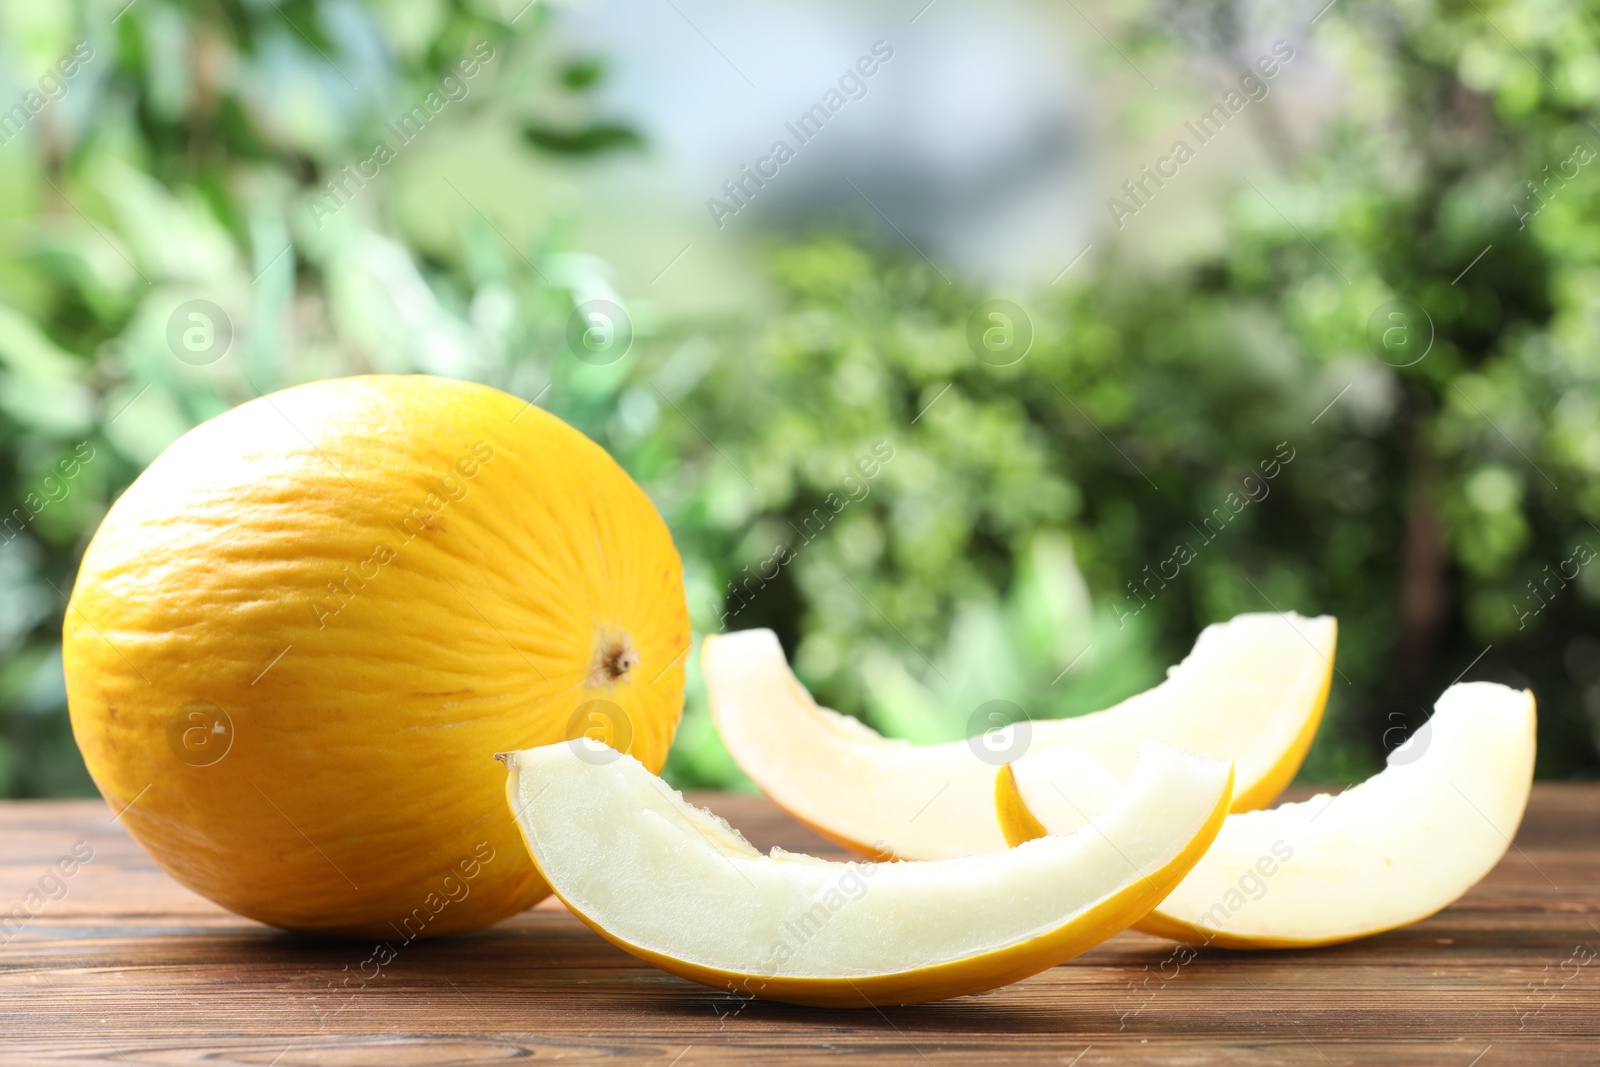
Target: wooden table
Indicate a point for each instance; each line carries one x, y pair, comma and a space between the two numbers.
129, 967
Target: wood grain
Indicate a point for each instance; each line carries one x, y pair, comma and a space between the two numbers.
129, 967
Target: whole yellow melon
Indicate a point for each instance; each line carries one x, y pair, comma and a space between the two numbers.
298, 640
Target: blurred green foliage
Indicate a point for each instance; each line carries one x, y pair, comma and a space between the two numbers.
927, 532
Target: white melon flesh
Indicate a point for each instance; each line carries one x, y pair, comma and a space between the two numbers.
677, 886
1395, 849
1250, 692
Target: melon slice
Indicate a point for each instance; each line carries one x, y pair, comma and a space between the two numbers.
1400, 846
676, 886
1250, 692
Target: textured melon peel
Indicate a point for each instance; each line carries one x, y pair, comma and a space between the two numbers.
677, 887
364, 587
1251, 692
1389, 852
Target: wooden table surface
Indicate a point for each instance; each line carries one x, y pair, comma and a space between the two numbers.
129, 967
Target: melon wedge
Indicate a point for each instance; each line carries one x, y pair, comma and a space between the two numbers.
1400, 846
676, 886
1250, 692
